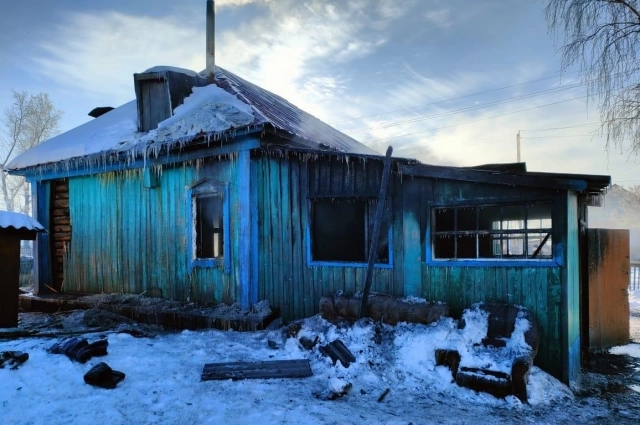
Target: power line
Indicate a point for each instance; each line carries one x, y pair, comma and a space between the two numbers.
483, 92
413, 147
480, 119
560, 128
453, 98
558, 137
467, 109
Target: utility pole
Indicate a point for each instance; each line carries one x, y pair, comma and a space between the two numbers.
518, 144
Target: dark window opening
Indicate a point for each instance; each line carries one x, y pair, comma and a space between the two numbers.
520, 231
342, 229
209, 221
209, 224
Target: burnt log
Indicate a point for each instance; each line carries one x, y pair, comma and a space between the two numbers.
450, 359
101, 375
382, 308
257, 370
61, 203
492, 382
336, 350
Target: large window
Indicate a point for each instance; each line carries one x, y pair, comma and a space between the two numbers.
514, 231
209, 236
341, 230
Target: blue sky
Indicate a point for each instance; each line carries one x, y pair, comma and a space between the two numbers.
449, 82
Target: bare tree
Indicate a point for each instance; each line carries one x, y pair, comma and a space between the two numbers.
27, 122
632, 200
602, 37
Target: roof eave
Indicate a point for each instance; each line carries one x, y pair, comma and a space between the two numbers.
110, 160
579, 183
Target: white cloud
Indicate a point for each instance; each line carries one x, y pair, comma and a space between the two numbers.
95, 56
233, 3
439, 17
288, 49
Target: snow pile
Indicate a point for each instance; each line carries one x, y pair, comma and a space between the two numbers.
632, 350
208, 110
162, 383
405, 356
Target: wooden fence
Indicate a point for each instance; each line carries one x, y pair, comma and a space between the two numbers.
634, 276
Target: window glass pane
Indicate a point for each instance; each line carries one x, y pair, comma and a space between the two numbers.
535, 240
539, 216
338, 230
209, 227
466, 218
513, 217
512, 245
444, 219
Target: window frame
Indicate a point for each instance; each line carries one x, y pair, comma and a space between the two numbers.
556, 247
336, 263
201, 189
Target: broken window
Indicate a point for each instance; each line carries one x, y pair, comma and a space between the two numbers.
342, 229
209, 221
519, 231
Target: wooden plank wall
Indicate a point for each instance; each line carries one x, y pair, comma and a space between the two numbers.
285, 279
290, 283
538, 288
131, 239
608, 307
155, 104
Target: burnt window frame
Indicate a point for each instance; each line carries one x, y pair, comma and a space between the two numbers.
555, 235
369, 214
202, 189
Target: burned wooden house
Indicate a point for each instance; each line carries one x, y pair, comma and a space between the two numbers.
211, 189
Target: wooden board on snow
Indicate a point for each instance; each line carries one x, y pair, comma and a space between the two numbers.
257, 370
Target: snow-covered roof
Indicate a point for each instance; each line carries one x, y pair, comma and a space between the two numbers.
213, 111
19, 221
283, 115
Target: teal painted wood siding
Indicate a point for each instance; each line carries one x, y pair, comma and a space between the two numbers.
284, 276
538, 288
132, 239
290, 283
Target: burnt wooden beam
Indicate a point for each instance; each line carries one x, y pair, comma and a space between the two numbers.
336, 350
373, 249
257, 370
509, 179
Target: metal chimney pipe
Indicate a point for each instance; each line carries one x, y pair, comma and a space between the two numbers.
211, 42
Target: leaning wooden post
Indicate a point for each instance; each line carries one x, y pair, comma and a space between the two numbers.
373, 249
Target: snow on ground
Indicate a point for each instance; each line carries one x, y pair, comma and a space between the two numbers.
162, 384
